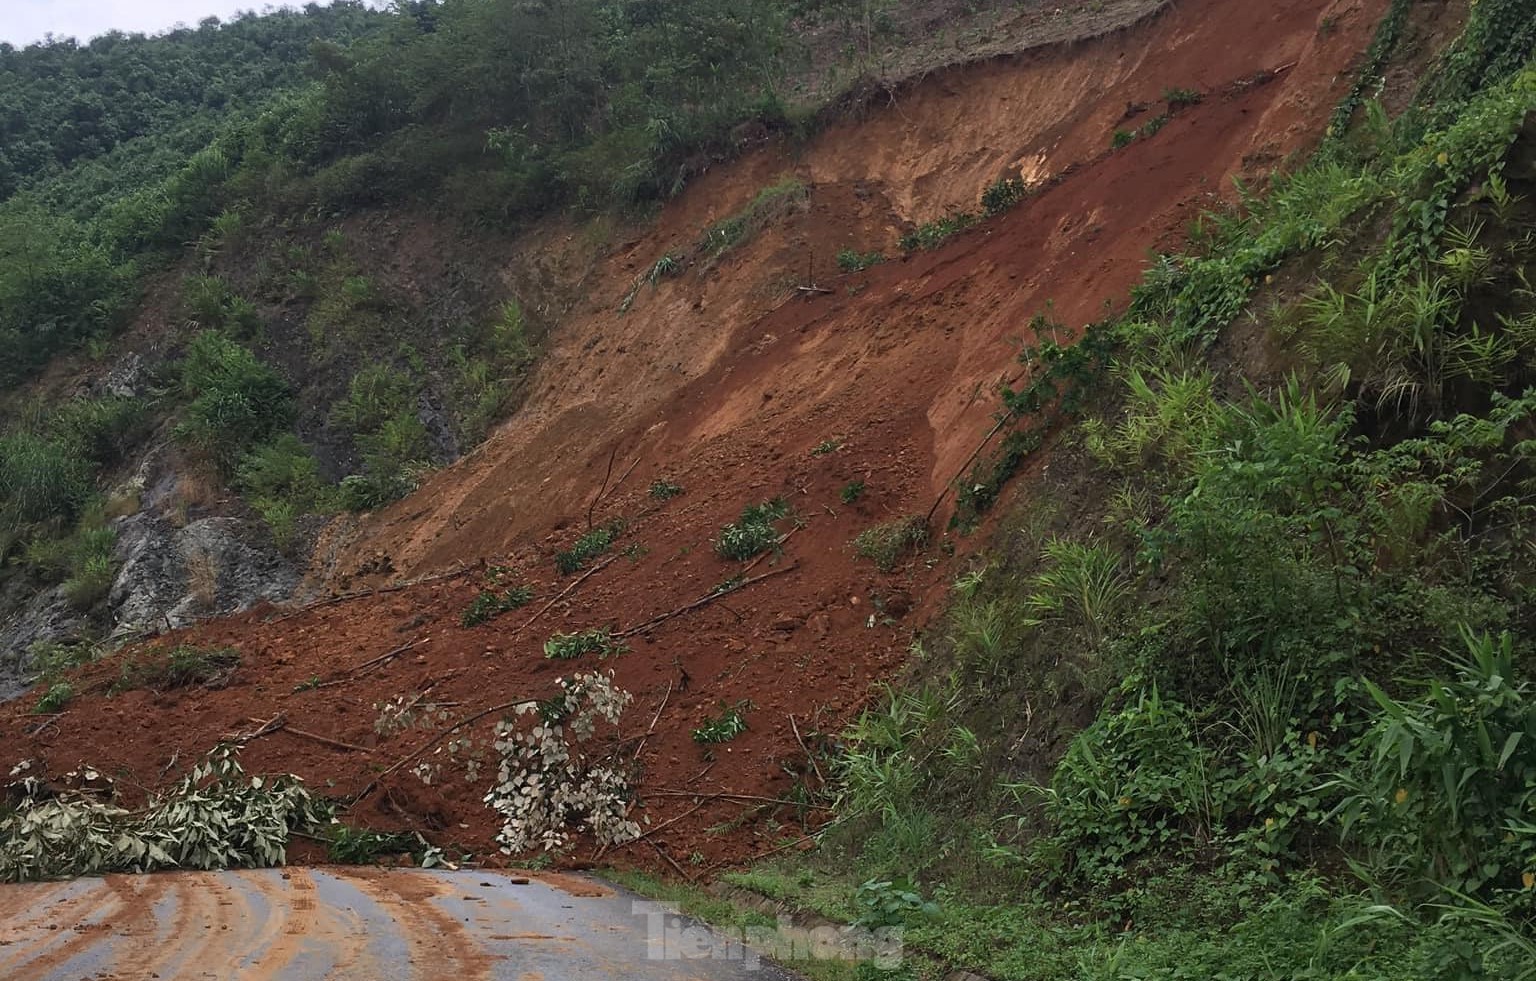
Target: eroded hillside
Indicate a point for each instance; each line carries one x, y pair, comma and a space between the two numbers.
738, 376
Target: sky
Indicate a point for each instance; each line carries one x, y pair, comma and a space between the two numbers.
25, 21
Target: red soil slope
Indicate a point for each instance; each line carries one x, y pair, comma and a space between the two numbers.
723, 380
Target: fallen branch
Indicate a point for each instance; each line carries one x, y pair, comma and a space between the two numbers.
610, 560
435, 740
727, 795
386, 656
806, 749
779, 848
302, 734
654, 719
671, 861
662, 618
365, 593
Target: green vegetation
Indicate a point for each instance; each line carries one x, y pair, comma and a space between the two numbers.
347, 845
58, 695
1125, 137
771, 204
1285, 616
851, 260
568, 647
754, 533
932, 234
826, 447
181, 666
215, 817
886, 545
730, 723
588, 547
1003, 194
665, 490
490, 604
851, 492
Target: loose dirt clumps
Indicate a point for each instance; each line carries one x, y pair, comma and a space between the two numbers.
728, 380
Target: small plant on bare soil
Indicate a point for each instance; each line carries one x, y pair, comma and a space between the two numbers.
665, 490
886, 545
402, 713
55, 698
754, 533
852, 491
827, 446
730, 723
179, 667
851, 260
588, 547
568, 647
489, 604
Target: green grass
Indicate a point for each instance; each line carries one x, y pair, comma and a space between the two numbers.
888, 544
588, 547
490, 604
182, 666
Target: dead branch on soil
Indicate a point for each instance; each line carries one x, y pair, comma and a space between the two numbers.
805, 749
703, 601
416, 753
365, 593
610, 560
727, 795
267, 726
654, 719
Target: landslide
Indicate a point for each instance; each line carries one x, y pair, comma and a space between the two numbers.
723, 380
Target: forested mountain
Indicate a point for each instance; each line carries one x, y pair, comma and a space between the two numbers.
64, 102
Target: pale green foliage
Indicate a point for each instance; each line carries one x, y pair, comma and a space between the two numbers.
887, 544
545, 786
214, 818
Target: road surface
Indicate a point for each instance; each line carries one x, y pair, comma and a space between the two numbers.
354, 924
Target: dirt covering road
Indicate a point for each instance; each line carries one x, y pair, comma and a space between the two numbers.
349, 924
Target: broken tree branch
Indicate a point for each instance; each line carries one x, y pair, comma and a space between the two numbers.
703, 601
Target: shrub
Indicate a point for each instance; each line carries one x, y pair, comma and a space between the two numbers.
754, 533
94, 570
489, 605
1446, 783
771, 204
588, 547
1178, 98
48, 660
1003, 194
179, 667
568, 647
282, 482
850, 260
234, 401
886, 545
41, 480
55, 698
932, 234
724, 727
665, 490
1136, 778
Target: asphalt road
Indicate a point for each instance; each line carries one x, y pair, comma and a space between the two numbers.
354, 924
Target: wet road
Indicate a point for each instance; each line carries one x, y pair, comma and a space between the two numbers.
354, 924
